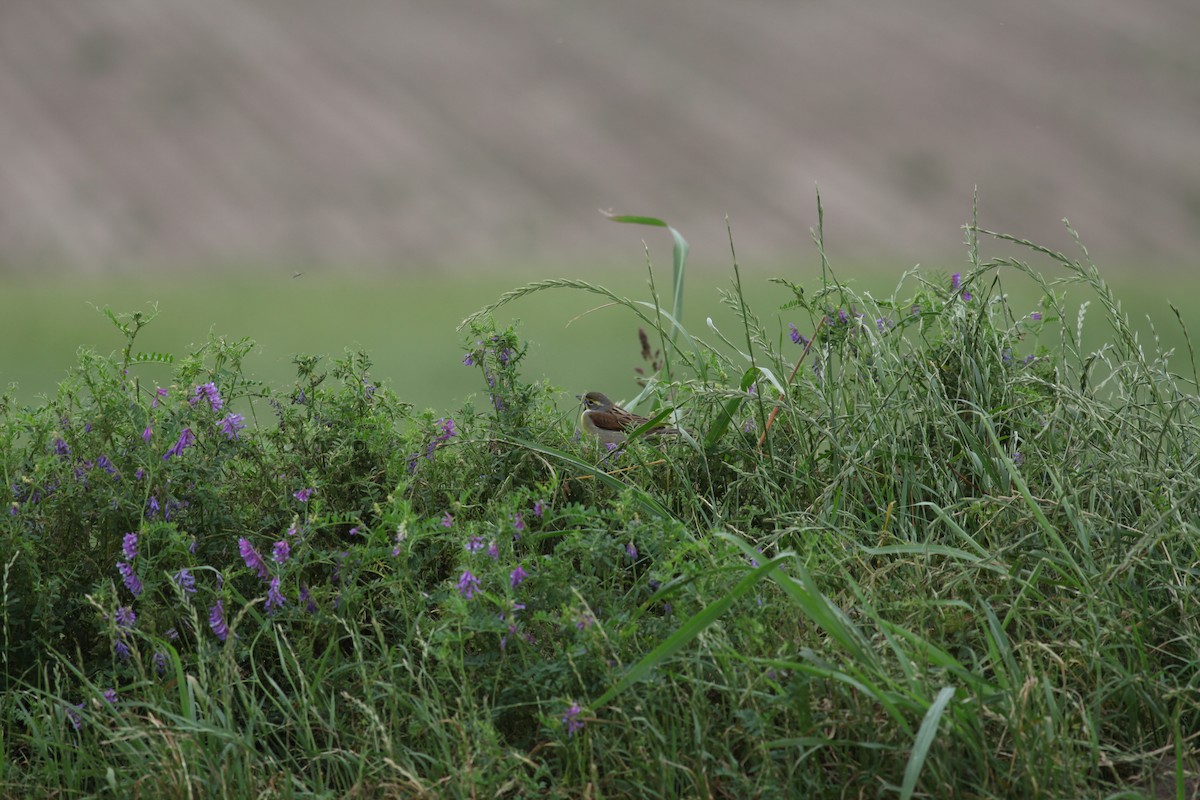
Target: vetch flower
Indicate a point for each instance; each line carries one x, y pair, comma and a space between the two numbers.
274, 597
794, 332
1036, 316
252, 558
517, 576
281, 552
216, 620
61, 447
631, 551
447, 520
231, 424
474, 544
129, 545
518, 523
310, 605
132, 582
111, 696
121, 649
160, 662
469, 360
186, 440
303, 494
468, 585
208, 391
492, 550
572, 721
73, 716
956, 280
539, 508
126, 617
186, 580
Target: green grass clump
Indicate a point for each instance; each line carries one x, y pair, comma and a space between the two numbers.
927, 545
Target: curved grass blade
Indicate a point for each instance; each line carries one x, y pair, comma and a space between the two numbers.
925, 736
688, 631
725, 417
678, 256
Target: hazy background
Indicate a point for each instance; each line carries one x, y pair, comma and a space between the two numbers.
183, 151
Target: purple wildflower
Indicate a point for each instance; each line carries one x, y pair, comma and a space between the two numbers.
141, 473
216, 620
631, 551
186, 580
73, 716
517, 576
956, 280
794, 332
61, 447
281, 552
572, 721
310, 605
126, 617
1017, 458
966, 296
111, 696
539, 508
152, 506
231, 424
192, 546
1036, 316
208, 391
474, 544
469, 360
159, 392
129, 545
468, 585
253, 559
518, 523
132, 582
160, 662
121, 649
186, 440
492, 550
303, 494
447, 520
274, 597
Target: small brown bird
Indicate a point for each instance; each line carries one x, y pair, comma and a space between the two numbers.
610, 423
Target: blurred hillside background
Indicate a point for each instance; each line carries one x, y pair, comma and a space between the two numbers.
426, 150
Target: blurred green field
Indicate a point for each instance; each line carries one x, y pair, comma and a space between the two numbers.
407, 325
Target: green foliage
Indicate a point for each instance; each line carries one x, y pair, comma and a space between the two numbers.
926, 545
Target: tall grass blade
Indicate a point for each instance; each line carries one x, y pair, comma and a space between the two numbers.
925, 737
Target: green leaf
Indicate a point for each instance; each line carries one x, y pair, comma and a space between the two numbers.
921, 744
688, 631
728, 412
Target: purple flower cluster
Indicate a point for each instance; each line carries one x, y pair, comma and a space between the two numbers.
186, 580
253, 558
275, 599
208, 392
231, 424
571, 719
129, 548
216, 620
186, 439
468, 585
281, 552
303, 495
